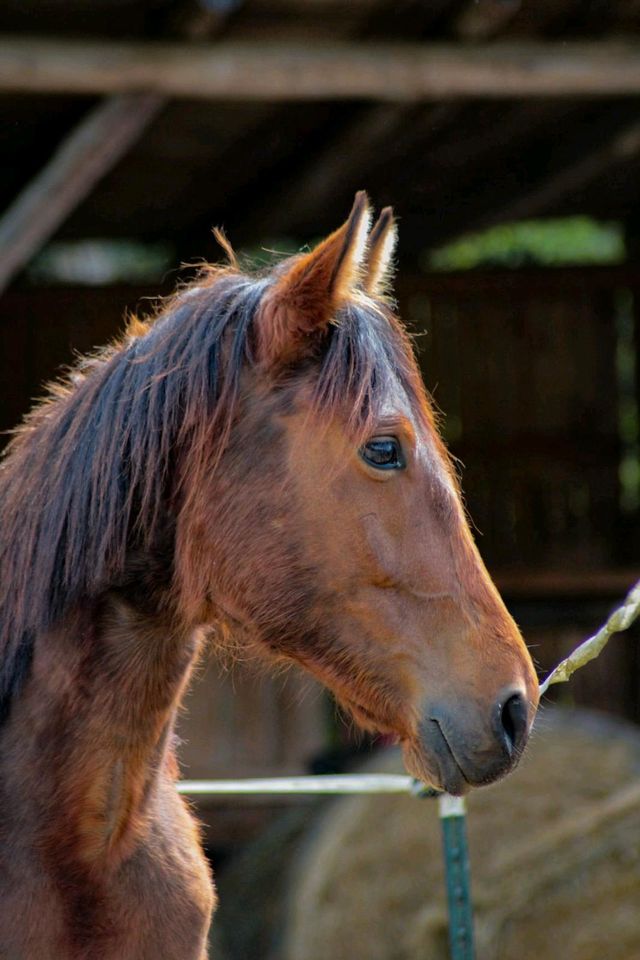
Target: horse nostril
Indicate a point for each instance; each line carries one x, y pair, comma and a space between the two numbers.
513, 723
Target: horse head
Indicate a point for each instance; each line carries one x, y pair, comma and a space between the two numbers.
330, 530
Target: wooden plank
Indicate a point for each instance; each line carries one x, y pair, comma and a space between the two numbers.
584, 584
89, 152
296, 71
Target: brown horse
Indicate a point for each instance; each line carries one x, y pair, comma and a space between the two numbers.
261, 459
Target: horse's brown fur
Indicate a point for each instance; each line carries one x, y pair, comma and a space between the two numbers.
204, 472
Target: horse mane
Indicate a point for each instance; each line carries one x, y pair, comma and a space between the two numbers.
89, 475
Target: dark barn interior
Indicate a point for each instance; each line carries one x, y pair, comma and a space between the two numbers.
116, 162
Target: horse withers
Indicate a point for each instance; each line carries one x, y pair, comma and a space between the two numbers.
259, 462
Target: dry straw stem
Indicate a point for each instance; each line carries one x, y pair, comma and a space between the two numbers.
620, 619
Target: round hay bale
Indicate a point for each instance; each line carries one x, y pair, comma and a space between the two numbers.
555, 860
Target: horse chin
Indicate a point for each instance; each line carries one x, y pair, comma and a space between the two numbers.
426, 755
436, 769
419, 759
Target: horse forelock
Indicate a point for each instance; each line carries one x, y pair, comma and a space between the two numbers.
90, 473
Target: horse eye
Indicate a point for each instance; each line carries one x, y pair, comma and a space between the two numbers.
384, 453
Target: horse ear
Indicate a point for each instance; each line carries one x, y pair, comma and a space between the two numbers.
382, 244
304, 299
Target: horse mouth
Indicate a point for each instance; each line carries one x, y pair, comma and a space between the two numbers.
430, 758
428, 755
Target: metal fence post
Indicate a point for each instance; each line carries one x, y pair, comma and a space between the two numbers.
458, 879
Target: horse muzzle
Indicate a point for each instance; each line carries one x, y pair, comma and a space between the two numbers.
465, 746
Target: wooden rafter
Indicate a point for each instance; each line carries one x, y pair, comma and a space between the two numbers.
87, 154
329, 169
347, 161
290, 71
621, 148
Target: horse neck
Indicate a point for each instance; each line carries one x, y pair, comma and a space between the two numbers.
91, 733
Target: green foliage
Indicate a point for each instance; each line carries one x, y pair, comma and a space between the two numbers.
572, 240
101, 261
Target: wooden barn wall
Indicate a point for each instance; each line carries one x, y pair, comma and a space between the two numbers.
241, 721
524, 373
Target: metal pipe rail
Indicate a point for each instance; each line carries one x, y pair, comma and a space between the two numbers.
343, 783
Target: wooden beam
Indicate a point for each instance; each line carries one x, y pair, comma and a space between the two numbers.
89, 152
295, 71
583, 584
